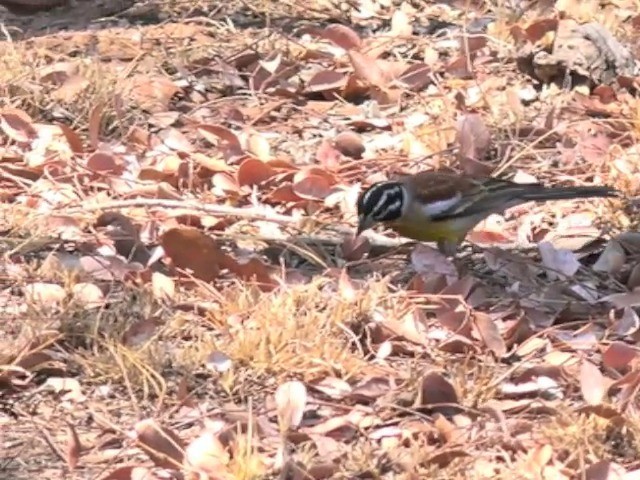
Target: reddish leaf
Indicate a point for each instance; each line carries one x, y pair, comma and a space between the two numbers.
73, 448
355, 248
312, 187
416, 77
95, 123
17, 125
214, 133
253, 172
102, 162
163, 446
74, 141
191, 249
326, 81
619, 355
540, 28
342, 36
283, 194
349, 144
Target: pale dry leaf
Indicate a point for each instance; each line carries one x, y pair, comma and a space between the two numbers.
259, 146
163, 287
489, 333
130, 472
427, 261
592, 383
69, 386
624, 300
333, 387
558, 261
400, 24
368, 69
612, 258
207, 455
88, 294
44, 295
291, 400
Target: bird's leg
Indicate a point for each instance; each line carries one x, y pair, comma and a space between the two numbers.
447, 247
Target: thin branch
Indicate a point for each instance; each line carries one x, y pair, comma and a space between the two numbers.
250, 213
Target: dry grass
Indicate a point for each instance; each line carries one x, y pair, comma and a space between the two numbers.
140, 353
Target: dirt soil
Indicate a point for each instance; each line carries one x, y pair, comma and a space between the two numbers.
181, 292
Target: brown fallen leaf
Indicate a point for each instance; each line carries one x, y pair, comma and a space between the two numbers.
190, 249
17, 125
163, 446
437, 394
488, 331
74, 447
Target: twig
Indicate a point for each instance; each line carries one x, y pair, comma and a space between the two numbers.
250, 213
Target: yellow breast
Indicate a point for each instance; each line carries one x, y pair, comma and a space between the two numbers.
423, 230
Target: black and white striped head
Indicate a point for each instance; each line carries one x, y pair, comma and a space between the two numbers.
381, 202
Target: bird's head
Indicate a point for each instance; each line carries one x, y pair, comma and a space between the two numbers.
381, 202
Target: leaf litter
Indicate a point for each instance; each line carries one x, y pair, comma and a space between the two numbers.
183, 295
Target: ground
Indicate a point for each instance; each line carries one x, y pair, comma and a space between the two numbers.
182, 295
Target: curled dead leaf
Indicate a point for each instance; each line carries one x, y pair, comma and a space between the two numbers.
17, 125
342, 36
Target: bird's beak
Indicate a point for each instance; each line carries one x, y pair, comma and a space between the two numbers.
363, 224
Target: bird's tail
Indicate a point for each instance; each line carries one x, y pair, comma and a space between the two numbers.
543, 193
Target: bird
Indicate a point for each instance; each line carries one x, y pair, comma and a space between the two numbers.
442, 207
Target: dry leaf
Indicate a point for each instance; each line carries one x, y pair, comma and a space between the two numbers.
164, 288
207, 455
163, 446
612, 258
291, 400
74, 447
342, 36
489, 333
367, 69
192, 250
558, 260
349, 144
592, 383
